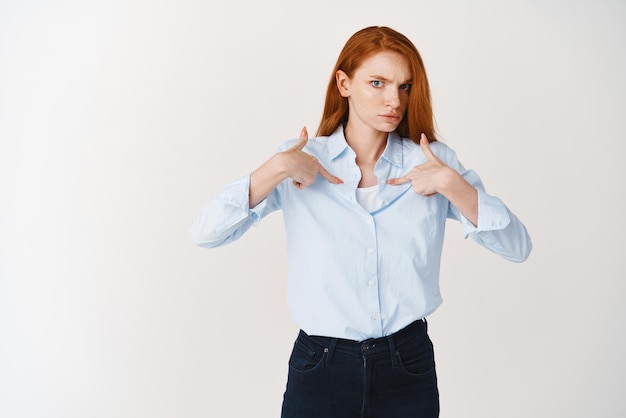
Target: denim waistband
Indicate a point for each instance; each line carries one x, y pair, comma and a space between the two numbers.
371, 347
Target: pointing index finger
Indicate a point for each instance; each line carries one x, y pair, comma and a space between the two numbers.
398, 181
324, 173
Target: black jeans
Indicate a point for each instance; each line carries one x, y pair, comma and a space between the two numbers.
389, 377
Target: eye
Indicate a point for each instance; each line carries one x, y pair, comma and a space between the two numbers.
376, 83
405, 87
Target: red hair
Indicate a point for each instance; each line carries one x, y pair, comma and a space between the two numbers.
363, 44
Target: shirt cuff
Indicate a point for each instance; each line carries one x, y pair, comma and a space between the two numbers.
237, 194
492, 215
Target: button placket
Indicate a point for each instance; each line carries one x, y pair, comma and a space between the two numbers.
371, 275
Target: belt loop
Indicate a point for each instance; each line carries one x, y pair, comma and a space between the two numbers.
392, 351
331, 350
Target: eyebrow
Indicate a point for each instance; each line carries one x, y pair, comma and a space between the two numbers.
381, 78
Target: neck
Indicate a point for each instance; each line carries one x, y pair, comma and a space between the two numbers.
367, 143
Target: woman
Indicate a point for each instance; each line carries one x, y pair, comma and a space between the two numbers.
365, 205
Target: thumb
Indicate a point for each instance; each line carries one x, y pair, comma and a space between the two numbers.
304, 138
425, 146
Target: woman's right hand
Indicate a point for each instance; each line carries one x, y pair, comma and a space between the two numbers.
301, 167
293, 163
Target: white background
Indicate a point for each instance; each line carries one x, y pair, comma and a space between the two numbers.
119, 119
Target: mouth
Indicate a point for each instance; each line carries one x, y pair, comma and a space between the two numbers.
391, 117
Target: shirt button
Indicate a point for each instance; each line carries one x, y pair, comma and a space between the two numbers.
372, 282
370, 251
368, 221
374, 316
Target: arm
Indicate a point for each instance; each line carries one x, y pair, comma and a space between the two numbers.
434, 176
243, 203
293, 163
460, 193
227, 216
485, 218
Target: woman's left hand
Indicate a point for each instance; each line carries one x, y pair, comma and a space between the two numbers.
434, 176
429, 178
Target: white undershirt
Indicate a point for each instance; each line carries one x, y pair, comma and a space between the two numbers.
368, 198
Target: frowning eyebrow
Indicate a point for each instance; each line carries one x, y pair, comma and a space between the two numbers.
381, 78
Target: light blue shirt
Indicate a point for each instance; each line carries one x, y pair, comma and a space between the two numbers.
355, 274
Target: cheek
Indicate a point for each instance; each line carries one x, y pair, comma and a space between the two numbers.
360, 104
365, 96
372, 99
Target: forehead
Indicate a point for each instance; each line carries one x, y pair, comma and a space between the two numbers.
388, 64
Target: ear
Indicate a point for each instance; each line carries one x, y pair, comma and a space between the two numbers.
343, 83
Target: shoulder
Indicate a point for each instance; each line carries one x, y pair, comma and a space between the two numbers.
286, 145
440, 149
316, 143
322, 147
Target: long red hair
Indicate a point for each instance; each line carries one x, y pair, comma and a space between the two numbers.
366, 42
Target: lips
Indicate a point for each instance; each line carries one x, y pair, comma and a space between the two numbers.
391, 117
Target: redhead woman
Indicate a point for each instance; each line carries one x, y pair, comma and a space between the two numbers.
365, 204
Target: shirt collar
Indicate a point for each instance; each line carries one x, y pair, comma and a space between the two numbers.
393, 151
336, 143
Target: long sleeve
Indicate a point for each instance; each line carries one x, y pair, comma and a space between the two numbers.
227, 216
498, 229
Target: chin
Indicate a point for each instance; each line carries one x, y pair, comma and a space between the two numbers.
387, 128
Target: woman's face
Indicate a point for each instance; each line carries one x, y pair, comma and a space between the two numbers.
378, 92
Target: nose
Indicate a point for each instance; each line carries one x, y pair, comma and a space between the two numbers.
392, 98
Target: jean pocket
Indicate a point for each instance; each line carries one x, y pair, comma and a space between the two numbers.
304, 358
418, 360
